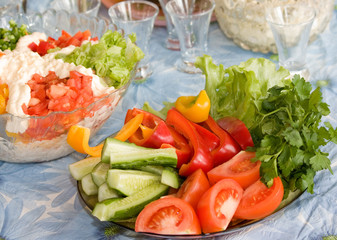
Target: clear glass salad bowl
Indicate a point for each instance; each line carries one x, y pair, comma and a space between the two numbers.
39, 139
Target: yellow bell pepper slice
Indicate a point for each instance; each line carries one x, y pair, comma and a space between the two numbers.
4, 93
146, 131
194, 108
78, 137
130, 127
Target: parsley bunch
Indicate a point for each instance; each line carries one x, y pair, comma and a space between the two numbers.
288, 135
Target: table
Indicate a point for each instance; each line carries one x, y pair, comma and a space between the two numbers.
40, 200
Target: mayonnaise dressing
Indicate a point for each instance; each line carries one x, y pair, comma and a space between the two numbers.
18, 66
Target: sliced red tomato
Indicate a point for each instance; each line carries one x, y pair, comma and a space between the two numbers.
170, 216
193, 187
218, 204
238, 130
240, 168
259, 201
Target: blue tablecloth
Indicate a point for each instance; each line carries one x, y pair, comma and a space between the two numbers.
40, 200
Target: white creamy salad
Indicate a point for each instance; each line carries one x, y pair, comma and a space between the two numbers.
18, 66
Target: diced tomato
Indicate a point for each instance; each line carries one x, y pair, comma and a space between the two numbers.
238, 130
218, 204
63, 41
240, 168
170, 216
259, 201
193, 187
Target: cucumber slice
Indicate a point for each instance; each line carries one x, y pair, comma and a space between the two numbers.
136, 159
83, 167
152, 169
99, 173
105, 192
128, 182
170, 177
88, 185
113, 145
128, 207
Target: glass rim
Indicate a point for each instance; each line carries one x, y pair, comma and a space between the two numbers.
129, 2
270, 10
202, 13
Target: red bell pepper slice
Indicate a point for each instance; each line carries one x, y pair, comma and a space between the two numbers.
210, 139
201, 156
183, 149
228, 147
160, 134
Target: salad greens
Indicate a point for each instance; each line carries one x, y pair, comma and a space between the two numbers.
282, 115
9, 37
112, 58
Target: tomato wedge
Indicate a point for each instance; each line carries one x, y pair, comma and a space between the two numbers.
193, 187
168, 215
259, 201
240, 168
238, 130
218, 205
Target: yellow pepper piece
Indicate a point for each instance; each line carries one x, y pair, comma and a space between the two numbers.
146, 131
130, 127
194, 108
4, 92
78, 139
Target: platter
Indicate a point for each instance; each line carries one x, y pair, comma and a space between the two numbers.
89, 202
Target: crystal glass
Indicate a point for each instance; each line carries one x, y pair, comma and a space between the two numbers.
10, 7
291, 25
136, 17
39, 139
88, 7
172, 41
191, 19
244, 21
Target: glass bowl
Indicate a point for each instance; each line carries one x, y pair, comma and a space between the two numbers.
244, 22
39, 139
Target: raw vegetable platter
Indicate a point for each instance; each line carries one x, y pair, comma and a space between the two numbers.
231, 173
41, 201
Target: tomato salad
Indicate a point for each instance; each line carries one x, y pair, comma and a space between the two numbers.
41, 75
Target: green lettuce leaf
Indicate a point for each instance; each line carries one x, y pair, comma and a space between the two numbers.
113, 58
239, 90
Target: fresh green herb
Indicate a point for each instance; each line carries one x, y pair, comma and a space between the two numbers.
9, 37
288, 135
112, 58
282, 115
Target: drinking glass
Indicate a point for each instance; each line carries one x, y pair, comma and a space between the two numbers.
87, 7
291, 25
136, 16
172, 41
10, 7
191, 19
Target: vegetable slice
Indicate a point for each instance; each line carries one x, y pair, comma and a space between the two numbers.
169, 215
218, 204
240, 168
193, 188
78, 139
258, 201
194, 108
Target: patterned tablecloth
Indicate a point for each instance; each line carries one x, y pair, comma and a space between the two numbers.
40, 200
